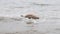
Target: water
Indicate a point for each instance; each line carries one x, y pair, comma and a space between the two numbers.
48, 10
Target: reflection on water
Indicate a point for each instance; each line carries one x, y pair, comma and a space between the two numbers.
14, 25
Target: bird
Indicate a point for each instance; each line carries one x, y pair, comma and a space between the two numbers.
30, 16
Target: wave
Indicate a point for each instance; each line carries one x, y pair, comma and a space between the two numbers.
5, 19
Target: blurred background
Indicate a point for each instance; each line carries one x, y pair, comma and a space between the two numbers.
49, 10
